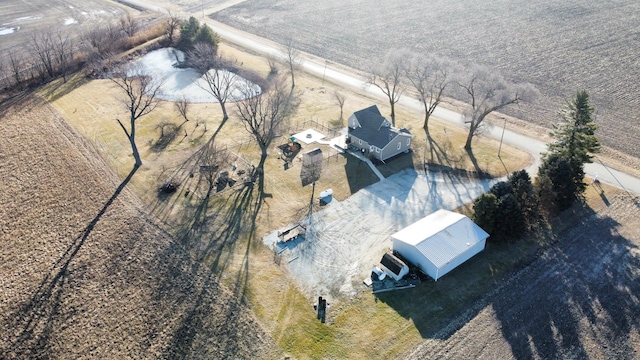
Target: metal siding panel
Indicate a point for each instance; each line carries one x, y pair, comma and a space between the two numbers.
459, 260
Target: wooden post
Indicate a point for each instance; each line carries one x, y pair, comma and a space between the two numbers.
324, 310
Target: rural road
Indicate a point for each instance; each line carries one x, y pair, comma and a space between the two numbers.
346, 77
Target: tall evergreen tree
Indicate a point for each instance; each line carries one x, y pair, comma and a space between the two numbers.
188, 31
509, 224
485, 211
555, 183
526, 195
575, 134
575, 138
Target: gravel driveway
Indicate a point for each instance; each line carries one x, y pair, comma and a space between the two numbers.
346, 238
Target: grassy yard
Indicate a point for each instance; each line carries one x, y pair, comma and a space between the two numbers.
224, 232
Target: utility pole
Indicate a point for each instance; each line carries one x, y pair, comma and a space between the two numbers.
502, 137
325, 71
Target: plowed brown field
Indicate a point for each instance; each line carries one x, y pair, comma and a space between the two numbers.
84, 273
560, 46
578, 300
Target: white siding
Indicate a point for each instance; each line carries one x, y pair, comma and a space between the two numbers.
440, 242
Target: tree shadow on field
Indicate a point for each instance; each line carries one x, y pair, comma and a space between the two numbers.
439, 154
210, 232
590, 274
59, 88
168, 132
577, 295
19, 101
478, 170
34, 321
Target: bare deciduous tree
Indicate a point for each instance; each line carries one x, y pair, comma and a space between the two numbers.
293, 60
387, 76
64, 52
340, 99
489, 92
96, 38
218, 81
203, 57
103, 39
430, 76
140, 98
129, 25
273, 65
212, 162
173, 24
264, 114
182, 106
43, 50
15, 65
4, 74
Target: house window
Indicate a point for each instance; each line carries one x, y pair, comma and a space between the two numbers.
371, 148
359, 141
378, 150
408, 141
399, 145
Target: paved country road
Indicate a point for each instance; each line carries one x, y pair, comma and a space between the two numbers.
349, 78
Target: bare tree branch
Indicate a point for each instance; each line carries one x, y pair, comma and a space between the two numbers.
264, 114
173, 24
64, 52
430, 77
387, 77
182, 106
129, 25
218, 81
293, 60
340, 99
42, 49
15, 63
139, 99
489, 92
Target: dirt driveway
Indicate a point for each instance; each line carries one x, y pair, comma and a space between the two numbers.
578, 300
345, 239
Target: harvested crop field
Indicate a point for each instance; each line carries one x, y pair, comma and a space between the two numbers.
578, 300
85, 273
560, 46
21, 20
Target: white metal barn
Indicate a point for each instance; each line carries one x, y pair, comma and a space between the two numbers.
439, 242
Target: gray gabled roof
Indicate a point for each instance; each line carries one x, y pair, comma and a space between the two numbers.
442, 236
372, 127
370, 116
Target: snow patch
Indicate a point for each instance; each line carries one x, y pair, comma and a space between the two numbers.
22, 19
70, 21
178, 83
7, 31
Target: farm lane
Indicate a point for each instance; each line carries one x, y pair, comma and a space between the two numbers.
348, 77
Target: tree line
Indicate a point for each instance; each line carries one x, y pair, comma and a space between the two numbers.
57, 52
433, 78
513, 207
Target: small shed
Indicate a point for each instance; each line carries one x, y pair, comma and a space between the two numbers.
393, 267
440, 242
